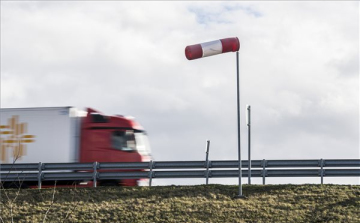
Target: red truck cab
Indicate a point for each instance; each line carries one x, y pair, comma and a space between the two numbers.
113, 139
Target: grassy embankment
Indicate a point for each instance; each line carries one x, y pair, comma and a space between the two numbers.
212, 203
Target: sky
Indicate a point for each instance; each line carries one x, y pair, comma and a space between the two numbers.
299, 71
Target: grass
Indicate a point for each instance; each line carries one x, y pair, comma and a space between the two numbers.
211, 203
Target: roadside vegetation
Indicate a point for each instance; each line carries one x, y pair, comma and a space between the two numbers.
211, 203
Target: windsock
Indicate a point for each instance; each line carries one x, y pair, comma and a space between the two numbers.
212, 48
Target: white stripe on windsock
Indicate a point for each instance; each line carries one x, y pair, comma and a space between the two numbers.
211, 48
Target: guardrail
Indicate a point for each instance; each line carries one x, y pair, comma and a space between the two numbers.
177, 169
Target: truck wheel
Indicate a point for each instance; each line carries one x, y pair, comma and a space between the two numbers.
111, 183
15, 185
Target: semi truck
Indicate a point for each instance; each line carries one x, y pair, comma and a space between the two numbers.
68, 134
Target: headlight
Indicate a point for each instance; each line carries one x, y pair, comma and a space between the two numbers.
143, 182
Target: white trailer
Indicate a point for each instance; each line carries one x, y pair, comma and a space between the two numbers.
30, 135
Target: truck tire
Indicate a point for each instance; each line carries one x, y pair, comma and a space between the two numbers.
110, 183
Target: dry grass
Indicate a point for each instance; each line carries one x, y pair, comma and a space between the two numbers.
212, 203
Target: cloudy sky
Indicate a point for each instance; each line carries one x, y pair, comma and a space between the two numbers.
299, 71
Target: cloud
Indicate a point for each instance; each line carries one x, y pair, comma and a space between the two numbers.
222, 13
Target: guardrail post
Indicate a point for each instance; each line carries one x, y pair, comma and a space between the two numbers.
151, 173
40, 175
263, 170
249, 141
322, 171
207, 161
95, 167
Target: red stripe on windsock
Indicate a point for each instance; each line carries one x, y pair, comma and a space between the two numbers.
193, 52
230, 44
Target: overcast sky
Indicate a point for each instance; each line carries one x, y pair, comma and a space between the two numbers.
299, 71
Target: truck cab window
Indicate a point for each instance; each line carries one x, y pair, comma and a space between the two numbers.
123, 140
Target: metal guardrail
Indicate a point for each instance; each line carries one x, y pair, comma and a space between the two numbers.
177, 169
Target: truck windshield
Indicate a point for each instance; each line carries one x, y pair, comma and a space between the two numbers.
142, 143
123, 140
131, 141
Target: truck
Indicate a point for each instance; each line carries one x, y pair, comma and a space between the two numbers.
68, 135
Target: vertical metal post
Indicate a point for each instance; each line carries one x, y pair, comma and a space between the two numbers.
40, 175
264, 171
249, 142
151, 172
95, 166
322, 171
207, 161
238, 122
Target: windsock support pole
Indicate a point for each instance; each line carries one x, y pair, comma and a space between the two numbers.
238, 124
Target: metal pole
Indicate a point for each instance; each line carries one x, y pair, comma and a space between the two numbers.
238, 123
207, 161
264, 171
40, 175
151, 172
322, 171
249, 142
95, 166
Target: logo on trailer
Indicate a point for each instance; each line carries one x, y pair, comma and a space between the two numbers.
13, 139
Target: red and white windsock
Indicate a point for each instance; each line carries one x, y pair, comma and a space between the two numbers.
212, 48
